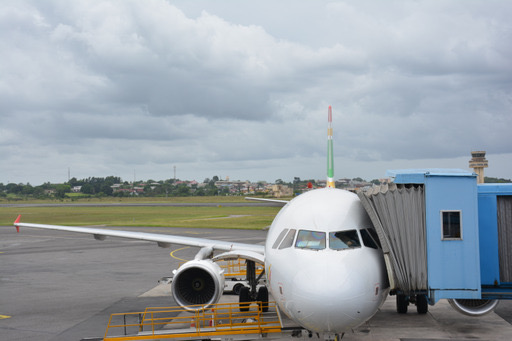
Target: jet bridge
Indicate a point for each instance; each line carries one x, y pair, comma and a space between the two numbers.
444, 236
495, 227
427, 222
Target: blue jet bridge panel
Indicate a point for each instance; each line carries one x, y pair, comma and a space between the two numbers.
495, 225
452, 235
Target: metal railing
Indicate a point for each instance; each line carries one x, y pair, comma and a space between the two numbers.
238, 268
177, 322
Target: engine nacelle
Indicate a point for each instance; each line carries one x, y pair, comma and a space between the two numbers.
198, 282
473, 307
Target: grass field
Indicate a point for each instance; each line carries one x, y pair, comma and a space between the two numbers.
216, 199
199, 217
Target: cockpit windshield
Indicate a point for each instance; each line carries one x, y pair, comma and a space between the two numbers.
315, 240
312, 240
343, 240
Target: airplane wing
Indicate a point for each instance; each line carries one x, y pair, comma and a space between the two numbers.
281, 202
163, 240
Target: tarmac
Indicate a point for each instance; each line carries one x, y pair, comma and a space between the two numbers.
60, 286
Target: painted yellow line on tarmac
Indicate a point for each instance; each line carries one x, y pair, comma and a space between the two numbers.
3, 317
173, 256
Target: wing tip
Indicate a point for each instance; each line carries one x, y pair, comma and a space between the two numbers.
16, 223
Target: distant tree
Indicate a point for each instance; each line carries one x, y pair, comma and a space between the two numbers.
182, 190
110, 180
358, 179
106, 189
87, 189
375, 182
496, 180
27, 189
47, 185
74, 182
121, 194
61, 190
38, 192
14, 188
200, 192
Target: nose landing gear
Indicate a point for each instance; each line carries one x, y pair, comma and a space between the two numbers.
251, 294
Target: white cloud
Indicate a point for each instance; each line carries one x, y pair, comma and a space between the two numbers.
110, 86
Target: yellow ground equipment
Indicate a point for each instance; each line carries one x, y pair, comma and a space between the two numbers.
224, 321
238, 268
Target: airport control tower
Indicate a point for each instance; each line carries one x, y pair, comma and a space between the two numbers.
478, 162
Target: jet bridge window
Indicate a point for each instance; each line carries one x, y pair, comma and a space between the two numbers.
343, 240
452, 225
312, 240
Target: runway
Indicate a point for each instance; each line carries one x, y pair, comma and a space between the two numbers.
64, 286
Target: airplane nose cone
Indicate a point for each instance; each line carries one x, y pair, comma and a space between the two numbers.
335, 304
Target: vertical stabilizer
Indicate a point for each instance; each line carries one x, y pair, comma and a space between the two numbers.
330, 161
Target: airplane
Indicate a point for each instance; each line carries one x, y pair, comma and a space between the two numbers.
322, 260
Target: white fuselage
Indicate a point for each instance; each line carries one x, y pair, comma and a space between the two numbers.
318, 277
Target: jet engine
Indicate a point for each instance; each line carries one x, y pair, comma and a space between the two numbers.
198, 282
473, 307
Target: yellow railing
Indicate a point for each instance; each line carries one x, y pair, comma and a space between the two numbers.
238, 268
177, 322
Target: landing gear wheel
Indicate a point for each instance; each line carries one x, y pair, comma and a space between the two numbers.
236, 288
402, 302
421, 304
244, 297
263, 299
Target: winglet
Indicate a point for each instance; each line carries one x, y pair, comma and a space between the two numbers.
330, 161
16, 223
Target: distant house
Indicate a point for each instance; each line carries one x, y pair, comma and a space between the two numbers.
127, 189
76, 189
281, 191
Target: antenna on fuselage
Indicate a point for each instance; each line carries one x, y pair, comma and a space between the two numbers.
330, 158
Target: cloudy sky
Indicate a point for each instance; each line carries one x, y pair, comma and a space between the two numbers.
241, 88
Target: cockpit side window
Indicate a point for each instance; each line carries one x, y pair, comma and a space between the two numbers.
343, 240
280, 238
311, 240
288, 240
375, 236
368, 240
